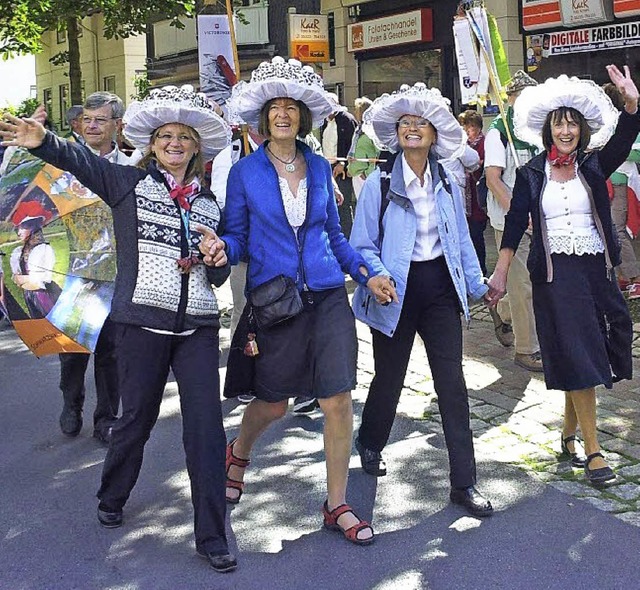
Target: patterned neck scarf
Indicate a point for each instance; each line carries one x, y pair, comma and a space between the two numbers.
181, 194
556, 159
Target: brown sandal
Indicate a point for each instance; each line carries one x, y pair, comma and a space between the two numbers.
234, 484
351, 534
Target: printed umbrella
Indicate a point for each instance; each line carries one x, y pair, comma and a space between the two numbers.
60, 265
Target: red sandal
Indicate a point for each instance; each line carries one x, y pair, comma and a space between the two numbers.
351, 534
233, 484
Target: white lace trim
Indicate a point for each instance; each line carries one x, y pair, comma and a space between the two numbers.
579, 245
295, 207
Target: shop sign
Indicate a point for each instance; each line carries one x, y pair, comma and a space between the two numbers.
616, 36
584, 12
409, 27
541, 14
622, 8
309, 37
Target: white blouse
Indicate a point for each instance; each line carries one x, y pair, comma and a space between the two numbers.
40, 263
567, 211
295, 207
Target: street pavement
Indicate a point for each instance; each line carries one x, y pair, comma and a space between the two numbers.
550, 530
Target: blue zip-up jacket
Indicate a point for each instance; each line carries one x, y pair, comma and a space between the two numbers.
399, 230
256, 225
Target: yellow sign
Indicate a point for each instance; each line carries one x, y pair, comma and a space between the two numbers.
309, 38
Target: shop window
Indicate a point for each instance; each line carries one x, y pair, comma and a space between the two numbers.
109, 84
63, 91
387, 74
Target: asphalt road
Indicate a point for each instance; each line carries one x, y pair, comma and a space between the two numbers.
539, 538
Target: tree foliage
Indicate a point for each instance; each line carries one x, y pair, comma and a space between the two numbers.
22, 23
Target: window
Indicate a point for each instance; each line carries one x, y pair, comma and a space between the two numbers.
61, 36
63, 90
47, 99
109, 84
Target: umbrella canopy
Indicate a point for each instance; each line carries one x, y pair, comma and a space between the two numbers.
59, 263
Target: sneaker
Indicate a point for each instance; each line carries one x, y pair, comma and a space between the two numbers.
246, 398
633, 291
304, 405
530, 362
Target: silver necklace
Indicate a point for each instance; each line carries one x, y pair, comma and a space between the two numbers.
288, 166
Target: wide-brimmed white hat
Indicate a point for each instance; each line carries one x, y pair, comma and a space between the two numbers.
380, 119
176, 105
585, 96
279, 79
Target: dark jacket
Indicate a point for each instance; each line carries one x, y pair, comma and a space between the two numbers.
593, 170
346, 124
150, 235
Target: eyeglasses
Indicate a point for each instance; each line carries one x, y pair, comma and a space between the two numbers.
100, 121
420, 123
182, 138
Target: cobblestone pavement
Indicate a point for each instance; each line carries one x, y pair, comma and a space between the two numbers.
515, 419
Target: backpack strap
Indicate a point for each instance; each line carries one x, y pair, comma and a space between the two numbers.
385, 185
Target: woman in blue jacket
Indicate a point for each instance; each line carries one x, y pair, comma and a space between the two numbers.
417, 235
281, 213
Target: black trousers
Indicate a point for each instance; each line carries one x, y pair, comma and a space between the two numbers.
73, 367
346, 210
144, 360
431, 309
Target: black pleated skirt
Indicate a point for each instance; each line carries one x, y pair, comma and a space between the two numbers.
583, 325
313, 354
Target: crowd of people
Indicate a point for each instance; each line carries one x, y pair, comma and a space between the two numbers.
398, 197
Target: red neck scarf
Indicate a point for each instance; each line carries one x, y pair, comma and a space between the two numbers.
556, 159
182, 194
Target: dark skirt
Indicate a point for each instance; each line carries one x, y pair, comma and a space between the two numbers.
313, 354
583, 325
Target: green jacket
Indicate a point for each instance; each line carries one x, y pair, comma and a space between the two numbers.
365, 148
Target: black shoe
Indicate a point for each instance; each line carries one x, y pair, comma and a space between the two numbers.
304, 405
70, 421
372, 461
110, 520
221, 563
103, 434
598, 477
577, 458
475, 503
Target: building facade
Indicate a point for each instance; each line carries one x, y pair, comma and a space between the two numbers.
420, 47
173, 54
106, 64
580, 38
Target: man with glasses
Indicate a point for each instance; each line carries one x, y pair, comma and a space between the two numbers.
100, 124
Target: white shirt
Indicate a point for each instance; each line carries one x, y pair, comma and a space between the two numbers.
427, 245
571, 228
295, 207
330, 140
222, 165
40, 264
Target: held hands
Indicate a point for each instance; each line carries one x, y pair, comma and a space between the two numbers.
212, 247
26, 133
497, 287
626, 86
383, 289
